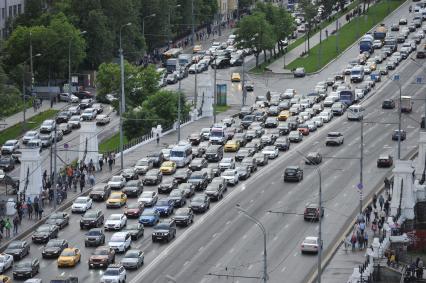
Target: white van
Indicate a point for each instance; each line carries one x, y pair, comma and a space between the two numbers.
181, 154
355, 112
357, 74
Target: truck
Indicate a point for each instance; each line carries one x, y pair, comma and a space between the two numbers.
380, 32
347, 97
406, 104
366, 43
171, 65
391, 43
185, 60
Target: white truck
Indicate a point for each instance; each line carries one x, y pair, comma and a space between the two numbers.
406, 104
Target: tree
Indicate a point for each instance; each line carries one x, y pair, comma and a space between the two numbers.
310, 12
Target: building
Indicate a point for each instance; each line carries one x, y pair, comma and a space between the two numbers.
9, 9
227, 9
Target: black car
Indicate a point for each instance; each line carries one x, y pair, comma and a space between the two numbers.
95, 237
243, 153
153, 177
241, 138
164, 231
245, 110
184, 216
283, 128
182, 175
135, 229
167, 185
133, 188
250, 162
86, 103
293, 173
195, 139
200, 203
26, 269
178, 197
199, 180
44, 233
388, 104
197, 164
243, 172
92, 219
18, 249
214, 153
215, 191
157, 158
282, 143
210, 173
100, 192
60, 219
247, 121
129, 174
7, 162
313, 158
312, 212
188, 188
54, 248
396, 134
421, 54
63, 117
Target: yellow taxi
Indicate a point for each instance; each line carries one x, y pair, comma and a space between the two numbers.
284, 115
372, 65
116, 199
235, 77
168, 167
69, 257
5, 279
197, 48
232, 146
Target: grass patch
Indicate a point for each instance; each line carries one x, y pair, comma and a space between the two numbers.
112, 143
261, 68
221, 108
346, 37
32, 123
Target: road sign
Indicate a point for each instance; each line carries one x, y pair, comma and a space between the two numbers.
396, 77
360, 195
359, 186
418, 80
66, 146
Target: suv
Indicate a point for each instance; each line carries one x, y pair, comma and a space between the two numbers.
312, 212
100, 192
95, 237
293, 173
92, 219
334, 138
214, 153
199, 179
114, 273
165, 230
102, 257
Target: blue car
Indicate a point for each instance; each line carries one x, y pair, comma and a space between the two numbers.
149, 217
164, 206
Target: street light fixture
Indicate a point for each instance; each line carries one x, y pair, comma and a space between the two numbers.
143, 23
23, 88
262, 228
122, 100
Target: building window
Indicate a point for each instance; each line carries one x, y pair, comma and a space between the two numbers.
19, 9
3, 13
15, 10
10, 11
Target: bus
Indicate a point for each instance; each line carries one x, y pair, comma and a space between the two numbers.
347, 97
181, 154
172, 53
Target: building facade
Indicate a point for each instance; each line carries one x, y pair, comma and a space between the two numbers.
9, 9
227, 9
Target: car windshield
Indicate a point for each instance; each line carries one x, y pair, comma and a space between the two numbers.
81, 200
43, 229
148, 212
115, 217
23, 264
228, 173
133, 183
182, 211
163, 202
161, 226
93, 233
152, 173
146, 195
198, 199
101, 252
133, 205
142, 163
270, 148
197, 161
15, 246
75, 118
116, 179
226, 160
175, 193
196, 177
68, 253
128, 171
56, 216
90, 214
132, 226
291, 170
333, 135
132, 254
310, 242
117, 238
111, 272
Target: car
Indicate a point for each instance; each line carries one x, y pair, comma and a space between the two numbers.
74, 121
164, 206
194, 139
60, 219
310, 245
81, 205
44, 233
153, 177
7, 162
334, 138
377, 44
295, 136
133, 188
101, 257
6, 262
403, 21
197, 164
69, 257
249, 86
86, 103
10, 146
117, 182
303, 129
143, 165
270, 151
89, 114
92, 219
149, 217
115, 222
95, 237
178, 197
66, 97
231, 176
63, 116
26, 268
242, 153
136, 230
187, 188
100, 192
133, 259
312, 212
167, 185
102, 119
182, 175
134, 210
282, 143
168, 168
47, 126
199, 179
18, 249
235, 77
164, 231
396, 135
244, 172
184, 216
250, 162
313, 158
385, 161
205, 134
29, 136
116, 199
227, 163
148, 198
65, 128
200, 203
388, 104
293, 173
232, 146
299, 72
114, 273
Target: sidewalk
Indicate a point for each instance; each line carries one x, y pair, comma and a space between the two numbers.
130, 159
19, 117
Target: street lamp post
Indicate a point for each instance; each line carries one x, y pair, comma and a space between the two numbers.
24, 124
122, 100
143, 23
179, 110
361, 169
262, 228
424, 70
69, 63
214, 90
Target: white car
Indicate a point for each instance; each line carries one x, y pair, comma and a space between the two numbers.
115, 273
74, 121
377, 44
289, 93
148, 198
47, 126
117, 182
310, 245
227, 163
231, 176
326, 116
75, 110
102, 119
10, 146
115, 222
120, 241
318, 121
81, 204
271, 151
6, 262
29, 136
89, 114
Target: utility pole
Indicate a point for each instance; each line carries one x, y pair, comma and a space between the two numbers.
193, 23
31, 63
319, 51
179, 110
399, 122
244, 84
361, 165
320, 225
214, 90
55, 174
196, 85
337, 35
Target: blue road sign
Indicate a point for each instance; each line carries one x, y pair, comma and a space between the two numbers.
396, 77
419, 80
359, 186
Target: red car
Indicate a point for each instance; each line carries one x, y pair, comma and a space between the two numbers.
303, 129
384, 161
134, 210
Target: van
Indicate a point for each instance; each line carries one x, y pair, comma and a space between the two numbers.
181, 154
357, 74
355, 112
217, 135
34, 143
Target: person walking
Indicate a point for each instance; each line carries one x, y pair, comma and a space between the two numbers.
40, 213
382, 215
386, 207
376, 213
353, 240
92, 179
82, 184
7, 226
420, 266
110, 161
101, 163
381, 201
375, 200
367, 213
158, 139
365, 240
15, 225
30, 210
374, 226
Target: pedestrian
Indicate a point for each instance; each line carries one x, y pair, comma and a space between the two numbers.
381, 201
158, 139
374, 200
36, 206
30, 210
326, 33
7, 226
365, 240
386, 207
74, 184
92, 179
51, 102
360, 239
110, 163
367, 213
101, 163
376, 213
82, 183
374, 226
420, 266
15, 225
382, 215
353, 241
362, 227
40, 213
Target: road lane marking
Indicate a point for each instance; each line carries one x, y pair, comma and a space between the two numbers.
231, 250
214, 235
250, 266
245, 236
286, 226
228, 222
295, 254
284, 268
